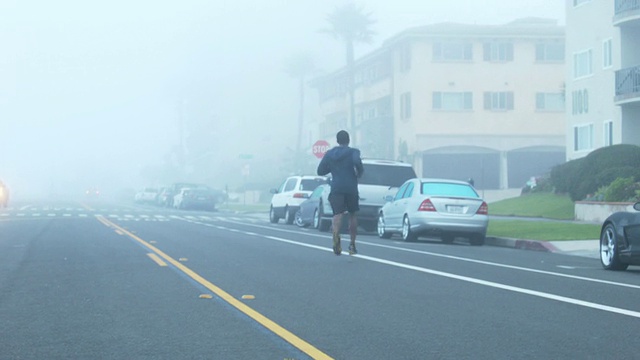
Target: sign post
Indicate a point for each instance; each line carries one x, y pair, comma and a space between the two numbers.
320, 148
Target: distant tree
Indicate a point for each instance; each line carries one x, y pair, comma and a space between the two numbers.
351, 24
300, 67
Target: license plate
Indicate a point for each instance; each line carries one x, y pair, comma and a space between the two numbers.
455, 209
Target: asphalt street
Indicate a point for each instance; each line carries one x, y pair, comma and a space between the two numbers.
115, 280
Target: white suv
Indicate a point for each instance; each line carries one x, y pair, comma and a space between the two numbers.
379, 179
286, 199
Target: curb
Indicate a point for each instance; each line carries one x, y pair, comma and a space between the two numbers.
523, 244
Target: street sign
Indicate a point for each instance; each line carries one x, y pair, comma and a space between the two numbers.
320, 148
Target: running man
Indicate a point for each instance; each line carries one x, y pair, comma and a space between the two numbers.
345, 165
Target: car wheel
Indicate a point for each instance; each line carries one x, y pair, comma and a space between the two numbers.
448, 239
298, 219
609, 253
477, 240
316, 219
272, 216
382, 231
323, 224
288, 219
407, 234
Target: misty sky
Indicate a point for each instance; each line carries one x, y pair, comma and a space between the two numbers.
92, 90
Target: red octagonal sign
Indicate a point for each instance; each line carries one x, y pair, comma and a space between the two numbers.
320, 148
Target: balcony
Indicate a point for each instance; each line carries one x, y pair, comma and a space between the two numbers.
628, 85
627, 12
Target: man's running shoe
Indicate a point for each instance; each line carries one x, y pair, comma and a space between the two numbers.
352, 249
337, 248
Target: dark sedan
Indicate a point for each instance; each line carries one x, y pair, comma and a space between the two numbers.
620, 240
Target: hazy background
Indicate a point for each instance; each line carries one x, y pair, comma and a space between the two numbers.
97, 93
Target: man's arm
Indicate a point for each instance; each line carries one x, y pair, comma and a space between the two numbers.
358, 163
323, 167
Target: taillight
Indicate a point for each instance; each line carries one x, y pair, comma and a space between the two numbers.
427, 205
298, 195
483, 210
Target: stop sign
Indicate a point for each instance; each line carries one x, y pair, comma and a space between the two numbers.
320, 148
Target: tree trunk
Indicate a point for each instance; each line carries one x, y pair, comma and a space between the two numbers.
300, 123
351, 89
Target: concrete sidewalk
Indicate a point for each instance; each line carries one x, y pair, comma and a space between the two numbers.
585, 248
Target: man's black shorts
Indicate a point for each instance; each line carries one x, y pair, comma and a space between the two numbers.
344, 202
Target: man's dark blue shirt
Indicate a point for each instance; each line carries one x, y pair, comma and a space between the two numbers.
345, 165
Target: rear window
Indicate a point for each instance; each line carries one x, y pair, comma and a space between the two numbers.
385, 175
448, 189
311, 184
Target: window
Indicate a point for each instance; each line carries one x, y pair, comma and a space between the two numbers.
582, 64
579, 102
498, 101
452, 101
400, 192
549, 102
608, 133
498, 51
409, 191
448, 189
405, 106
550, 52
583, 137
452, 51
405, 58
579, 2
607, 57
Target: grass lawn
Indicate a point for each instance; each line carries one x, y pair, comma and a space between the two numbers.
545, 205
542, 230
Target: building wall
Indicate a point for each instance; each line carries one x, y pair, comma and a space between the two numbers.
590, 98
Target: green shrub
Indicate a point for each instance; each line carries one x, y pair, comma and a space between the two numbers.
582, 178
621, 189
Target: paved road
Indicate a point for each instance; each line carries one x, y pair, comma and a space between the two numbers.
136, 282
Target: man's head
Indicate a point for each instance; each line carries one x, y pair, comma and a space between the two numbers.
342, 137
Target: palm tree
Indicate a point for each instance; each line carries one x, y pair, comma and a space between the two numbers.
299, 67
351, 24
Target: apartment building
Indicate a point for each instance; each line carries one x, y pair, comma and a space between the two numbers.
459, 101
603, 79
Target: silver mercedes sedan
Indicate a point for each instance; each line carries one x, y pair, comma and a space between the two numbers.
435, 207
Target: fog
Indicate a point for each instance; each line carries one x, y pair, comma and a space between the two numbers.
103, 93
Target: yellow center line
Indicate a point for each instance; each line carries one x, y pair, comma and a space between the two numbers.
285, 334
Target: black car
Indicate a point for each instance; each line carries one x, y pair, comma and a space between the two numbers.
620, 240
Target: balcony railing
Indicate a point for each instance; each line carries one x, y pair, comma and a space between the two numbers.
628, 84
626, 9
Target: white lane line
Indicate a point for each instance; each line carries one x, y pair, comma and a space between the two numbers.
4, 214
20, 214
51, 215
35, 214
83, 215
489, 263
66, 215
25, 207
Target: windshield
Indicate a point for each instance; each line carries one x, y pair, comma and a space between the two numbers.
386, 175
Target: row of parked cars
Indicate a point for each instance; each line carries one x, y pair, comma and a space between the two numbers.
393, 201
180, 196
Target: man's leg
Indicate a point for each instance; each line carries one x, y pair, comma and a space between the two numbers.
337, 224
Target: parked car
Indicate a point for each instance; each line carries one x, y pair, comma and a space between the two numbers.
286, 199
316, 210
620, 240
435, 207
168, 194
380, 178
146, 195
198, 198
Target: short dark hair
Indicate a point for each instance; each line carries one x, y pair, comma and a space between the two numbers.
342, 137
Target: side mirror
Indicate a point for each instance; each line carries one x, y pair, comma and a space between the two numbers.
273, 191
388, 198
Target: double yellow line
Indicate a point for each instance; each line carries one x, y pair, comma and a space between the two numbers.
160, 257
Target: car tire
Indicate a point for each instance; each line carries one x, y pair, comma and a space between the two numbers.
609, 252
272, 216
316, 219
323, 224
382, 230
298, 220
477, 240
407, 234
288, 218
447, 239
